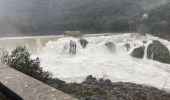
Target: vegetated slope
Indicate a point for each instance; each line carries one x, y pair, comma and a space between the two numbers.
115, 15
50, 16
105, 16
159, 21
99, 15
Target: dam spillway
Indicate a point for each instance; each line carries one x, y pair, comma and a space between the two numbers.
33, 44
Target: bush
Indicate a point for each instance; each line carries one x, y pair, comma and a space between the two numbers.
20, 60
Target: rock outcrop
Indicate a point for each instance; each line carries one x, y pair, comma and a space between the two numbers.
157, 51
111, 46
127, 46
94, 89
138, 52
83, 42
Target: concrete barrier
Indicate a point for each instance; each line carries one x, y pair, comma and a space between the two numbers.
18, 86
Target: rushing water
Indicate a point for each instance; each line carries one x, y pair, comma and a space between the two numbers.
33, 44
96, 59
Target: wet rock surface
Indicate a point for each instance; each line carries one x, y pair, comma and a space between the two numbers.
111, 46
144, 42
127, 46
83, 43
93, 89
157, 51
73, 47
138, 52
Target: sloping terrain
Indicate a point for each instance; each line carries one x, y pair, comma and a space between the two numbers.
51, 16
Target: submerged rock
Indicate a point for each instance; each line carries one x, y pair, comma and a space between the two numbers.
138, 52
127, 46
111, 46
157, 51
73, 48
83, 42
144, 42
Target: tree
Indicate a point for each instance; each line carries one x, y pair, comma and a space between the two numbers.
120, 25
21, 61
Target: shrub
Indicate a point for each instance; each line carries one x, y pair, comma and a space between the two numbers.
20, 60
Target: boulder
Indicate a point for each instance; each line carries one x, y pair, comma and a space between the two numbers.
90, 80
83, 42
138, 52
111, 46
157, 51
144, 42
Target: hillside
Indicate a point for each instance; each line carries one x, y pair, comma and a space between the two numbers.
54, 16
159, 21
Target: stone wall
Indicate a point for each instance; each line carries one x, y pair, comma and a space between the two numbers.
18, 86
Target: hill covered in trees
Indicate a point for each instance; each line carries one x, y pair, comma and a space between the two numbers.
43, 17
159, 21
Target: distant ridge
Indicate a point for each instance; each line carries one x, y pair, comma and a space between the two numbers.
56, 16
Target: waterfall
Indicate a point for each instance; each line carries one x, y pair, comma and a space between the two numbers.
152, 56
96, 59
146, 47
33, 44
145, 52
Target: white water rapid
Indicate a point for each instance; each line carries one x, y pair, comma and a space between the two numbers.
96, 60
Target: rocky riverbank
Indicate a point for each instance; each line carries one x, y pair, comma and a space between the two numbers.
93, 89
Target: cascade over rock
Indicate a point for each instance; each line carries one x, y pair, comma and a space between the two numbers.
127, 46
96, 59
73, 47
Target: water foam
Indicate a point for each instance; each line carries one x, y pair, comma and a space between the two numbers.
97, 61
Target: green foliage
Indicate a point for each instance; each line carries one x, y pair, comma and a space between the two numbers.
20, 60
120, 25
45, 17
83, 15
159, 21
